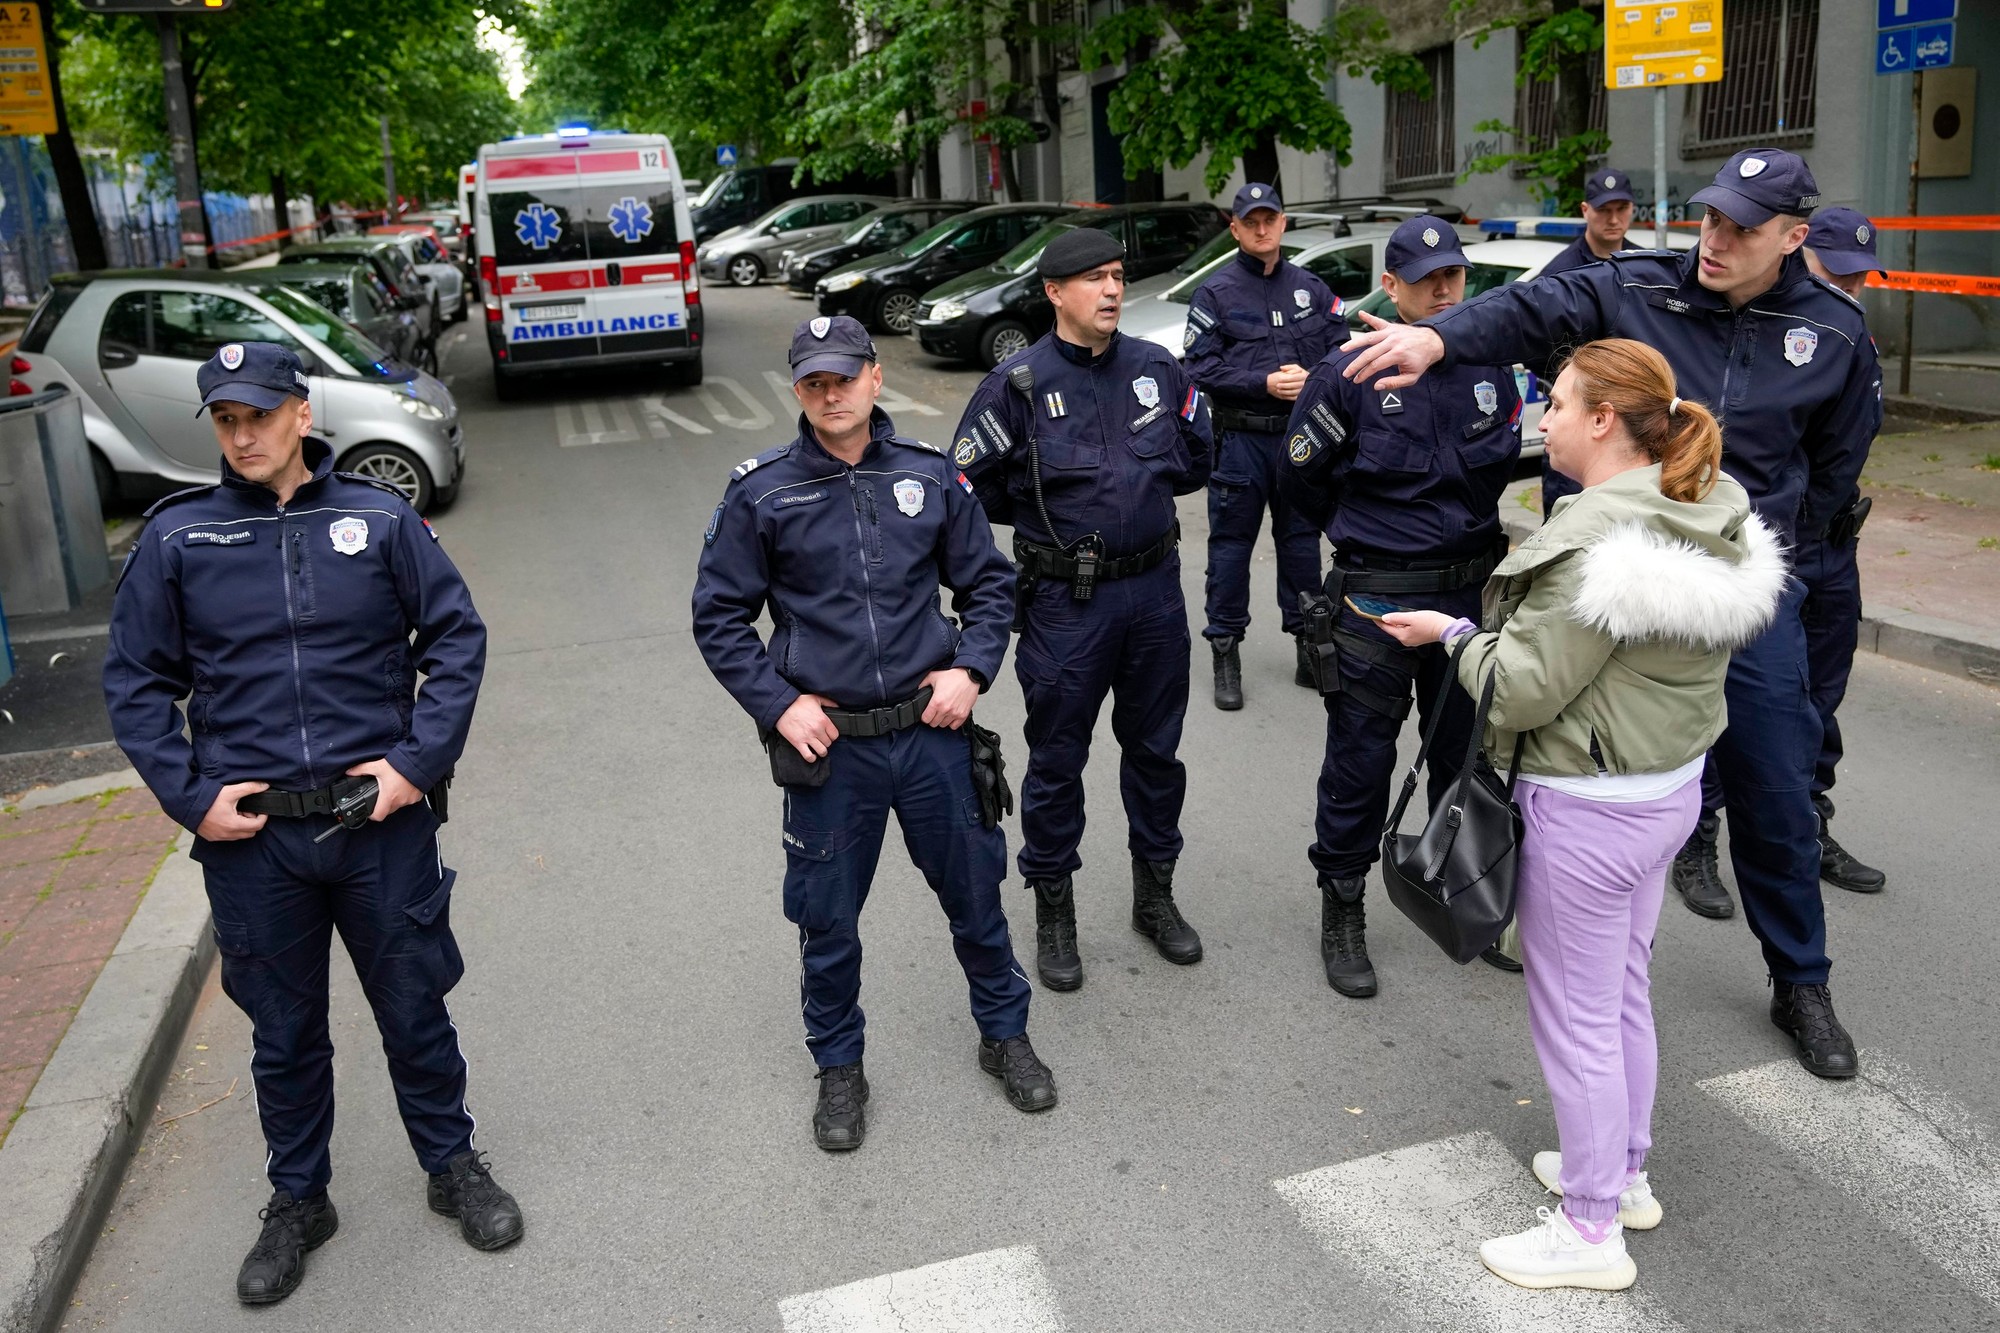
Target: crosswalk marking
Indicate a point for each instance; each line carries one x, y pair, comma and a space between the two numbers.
593, 421
656, 408
981, 1293
1410, 1221
759, 419
894, 403
585, 423
1909, 1155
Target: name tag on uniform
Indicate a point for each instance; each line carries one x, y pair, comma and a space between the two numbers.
1141, 422
219, 536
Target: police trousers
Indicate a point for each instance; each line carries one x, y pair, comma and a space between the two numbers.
1832, 615
1359, 769
833, 841
1248, 466
277, 899
1131, 641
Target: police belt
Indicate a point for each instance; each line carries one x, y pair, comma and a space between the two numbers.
1360, 577
881, 721
1039, 561
1236, 418
288, 804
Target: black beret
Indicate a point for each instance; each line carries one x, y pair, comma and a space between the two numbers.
1078, 251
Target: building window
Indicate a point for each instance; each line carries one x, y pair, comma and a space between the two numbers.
1419, 144
1535, 115
1770, 50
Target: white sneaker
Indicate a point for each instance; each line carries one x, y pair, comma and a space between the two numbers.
1554, 1254
1638, 1210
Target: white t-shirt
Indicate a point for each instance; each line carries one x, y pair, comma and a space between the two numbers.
1621, 788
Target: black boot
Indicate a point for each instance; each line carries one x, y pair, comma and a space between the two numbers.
1030, 1085
1806, 1012
1695, 875
839, 1122
1343, 936
1228, 672
488, 1217
1155, 916
1303, 676
276, 1264
1056, 958
1836, 866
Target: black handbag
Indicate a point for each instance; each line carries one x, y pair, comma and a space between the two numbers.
1456, 879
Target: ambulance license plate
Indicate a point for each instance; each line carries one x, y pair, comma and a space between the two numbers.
541, 313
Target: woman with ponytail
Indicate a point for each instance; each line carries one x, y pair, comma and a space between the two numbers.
1609, 633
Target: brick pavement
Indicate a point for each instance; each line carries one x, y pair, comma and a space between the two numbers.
70, 878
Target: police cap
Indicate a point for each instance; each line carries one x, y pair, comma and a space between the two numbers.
1078, 251
1758, 184
1254, 196
260, 374
1844, 241
835, 343
1421, 246
1607, 185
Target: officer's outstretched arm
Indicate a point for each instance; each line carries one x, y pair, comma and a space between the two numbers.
1838, 438
448, 647
1203, 351
146, 673
988, 434
1530, 321
981, 580
1320, 432
730, 588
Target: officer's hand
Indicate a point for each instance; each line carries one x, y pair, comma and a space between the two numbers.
223, 823
1413, 629
1285, 382
1409, 348
805, 727
953, 693
393, 790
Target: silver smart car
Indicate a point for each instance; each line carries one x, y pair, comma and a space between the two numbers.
128, 343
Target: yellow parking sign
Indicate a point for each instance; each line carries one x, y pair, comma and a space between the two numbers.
1654, 43
26, 106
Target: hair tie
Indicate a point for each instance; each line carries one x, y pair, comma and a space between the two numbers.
1673, 407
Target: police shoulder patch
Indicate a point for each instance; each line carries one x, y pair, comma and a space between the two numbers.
749, 465
168, 501
714, 524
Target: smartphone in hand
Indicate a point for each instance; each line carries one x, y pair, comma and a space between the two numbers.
1372, 608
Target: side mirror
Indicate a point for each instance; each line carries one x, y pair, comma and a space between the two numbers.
112, 355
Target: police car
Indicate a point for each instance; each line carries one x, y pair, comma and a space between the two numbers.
586, 255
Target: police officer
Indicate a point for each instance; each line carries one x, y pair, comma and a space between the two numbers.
1407, 485
1787, 364
1607, 215
293, 608
1253, 329
1082, 442
864, 697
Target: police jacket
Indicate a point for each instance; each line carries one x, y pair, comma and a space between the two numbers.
1574, 255
1413, 474
1792, 375
1118, 437
295, 634
1243, 324
849, 560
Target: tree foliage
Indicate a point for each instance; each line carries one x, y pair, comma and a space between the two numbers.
1557, 41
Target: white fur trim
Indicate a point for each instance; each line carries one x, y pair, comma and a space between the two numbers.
1639, 584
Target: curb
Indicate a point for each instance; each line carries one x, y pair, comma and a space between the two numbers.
65, 1158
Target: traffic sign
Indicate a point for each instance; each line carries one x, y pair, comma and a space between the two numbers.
1907, 49
1906, 13
725, 155
1656, 43
156, 6
1932, 45
25, 104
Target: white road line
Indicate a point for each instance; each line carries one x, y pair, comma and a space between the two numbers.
593, 427
758, 419
1911, 1156
781, 388
998, 1290
1409, 1222
895, 404
658, 413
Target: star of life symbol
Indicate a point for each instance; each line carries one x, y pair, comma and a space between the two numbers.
631, 220
1431, 237
538, 226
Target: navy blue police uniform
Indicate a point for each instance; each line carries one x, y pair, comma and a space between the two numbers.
1407, 486
848, 560
296, 634
1084, 453
1793, 377
1607, 185
1243, 324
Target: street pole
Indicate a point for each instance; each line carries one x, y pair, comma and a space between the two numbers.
1660, 168
388, 171
180, 131
1910, 297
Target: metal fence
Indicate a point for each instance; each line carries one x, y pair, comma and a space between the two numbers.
1767, 94
1535, 117
1420, 129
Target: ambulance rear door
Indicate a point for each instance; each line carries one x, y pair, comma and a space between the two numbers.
636, 301
542, 274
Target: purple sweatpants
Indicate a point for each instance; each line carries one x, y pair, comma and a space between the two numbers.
1591, 879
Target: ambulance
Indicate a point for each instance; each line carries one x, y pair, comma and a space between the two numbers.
586, 255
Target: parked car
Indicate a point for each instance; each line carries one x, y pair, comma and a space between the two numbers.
882, 290
353, 292
128, 342
741, 193
871, 234
391, 263
991, 313
747, 255
421, 243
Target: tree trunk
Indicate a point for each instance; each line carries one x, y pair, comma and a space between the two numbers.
1261, 162
86, 240
281, 209
933, 172
1574, 72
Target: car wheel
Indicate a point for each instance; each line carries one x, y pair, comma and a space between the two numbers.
445, 496
464, 309
896, 311
427, 358
107, 479
397, 466
1002, 339
745, 271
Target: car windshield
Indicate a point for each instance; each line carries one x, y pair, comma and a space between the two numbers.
930, 240
858, 228
1184, 290
348, 343
1212, 249
1023, 256
712, 189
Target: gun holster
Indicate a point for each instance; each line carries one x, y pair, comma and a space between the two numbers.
1321, 612
440, 797
1025, 574
989, 775
1847, 524
789, 768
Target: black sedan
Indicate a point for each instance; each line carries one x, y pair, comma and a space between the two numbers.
991, 313
884, 229
882, 290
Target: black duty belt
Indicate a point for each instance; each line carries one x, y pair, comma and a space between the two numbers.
881, 721
1236, 418
1039, 561
288, 804
1447, 578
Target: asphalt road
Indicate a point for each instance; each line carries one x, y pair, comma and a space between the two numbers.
1218, 1160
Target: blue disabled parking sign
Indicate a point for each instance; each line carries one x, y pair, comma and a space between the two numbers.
725, 155
1907, 49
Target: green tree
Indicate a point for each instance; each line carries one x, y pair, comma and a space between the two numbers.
1558, 40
